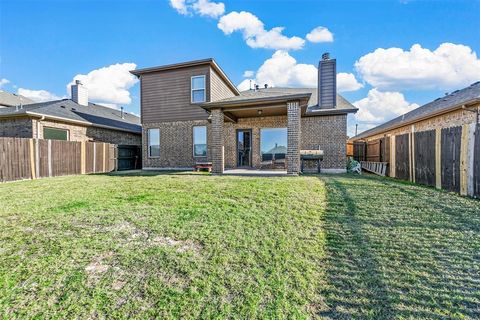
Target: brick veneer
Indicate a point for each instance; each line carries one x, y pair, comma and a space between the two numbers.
176, 144
451, 119
176, 140
27, 128
293, 137
217, 151
16, 128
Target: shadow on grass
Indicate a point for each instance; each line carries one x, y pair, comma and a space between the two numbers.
398, 251
356, 287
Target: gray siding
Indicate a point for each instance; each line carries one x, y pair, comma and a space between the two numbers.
218, 87
327, 84
165, 95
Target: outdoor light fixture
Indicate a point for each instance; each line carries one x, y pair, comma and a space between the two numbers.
259, 112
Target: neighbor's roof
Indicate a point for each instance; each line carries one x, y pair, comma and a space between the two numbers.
11, 99
209, 61
447, 103
281, 94
70, 111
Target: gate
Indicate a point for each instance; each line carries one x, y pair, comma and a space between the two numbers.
129, 157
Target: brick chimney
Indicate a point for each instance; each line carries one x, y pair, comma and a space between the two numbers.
327, 82
79, 93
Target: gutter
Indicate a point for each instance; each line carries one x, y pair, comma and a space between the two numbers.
463, 105
254, 101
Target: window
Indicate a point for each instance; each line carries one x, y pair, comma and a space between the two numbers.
55, 134
153, 143
273, 144
200, 141
198, 89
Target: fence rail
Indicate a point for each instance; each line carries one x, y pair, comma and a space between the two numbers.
36, 158
447, 158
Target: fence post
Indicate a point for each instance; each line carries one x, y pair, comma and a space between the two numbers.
464, 160
471, 159
104, 157
49, 154
83, 157
438, 158
393, 166
94, 157
32, 158
412, 154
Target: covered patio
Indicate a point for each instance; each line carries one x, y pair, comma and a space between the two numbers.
232, 115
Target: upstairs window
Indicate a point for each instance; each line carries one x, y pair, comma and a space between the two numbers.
200, 141
153, 143
198, 89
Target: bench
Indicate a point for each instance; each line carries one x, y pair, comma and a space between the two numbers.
203, 165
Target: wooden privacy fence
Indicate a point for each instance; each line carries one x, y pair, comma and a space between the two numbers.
35, 158
447, 158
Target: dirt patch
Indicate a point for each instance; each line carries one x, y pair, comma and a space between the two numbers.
97, 267
179, 245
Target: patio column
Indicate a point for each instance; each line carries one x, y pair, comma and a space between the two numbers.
293, 137
217, 141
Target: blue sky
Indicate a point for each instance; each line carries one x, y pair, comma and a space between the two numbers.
45, 44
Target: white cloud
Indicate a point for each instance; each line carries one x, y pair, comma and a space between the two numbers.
380, 106
209, 9
248, 73
320, 34
180, 6
254, 32
246, 84
449, 66
347, 82
108, 85
282, 70
38, 95
201, 7
4, 82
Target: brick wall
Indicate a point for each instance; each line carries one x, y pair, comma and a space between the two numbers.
451, 119
176, 140
16, 128
176, 144
330, 134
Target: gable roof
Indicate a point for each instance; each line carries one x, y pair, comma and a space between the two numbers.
11, 99
70, 111
281, 94
209, 61
450, 102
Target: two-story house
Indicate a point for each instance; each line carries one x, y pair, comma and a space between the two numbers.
191, 112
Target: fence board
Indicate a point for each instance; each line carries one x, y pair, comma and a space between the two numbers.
402, 159
425, 157
451, 143
18, 158
359, 151
476, 165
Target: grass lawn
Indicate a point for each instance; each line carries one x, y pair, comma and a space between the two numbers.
195, 246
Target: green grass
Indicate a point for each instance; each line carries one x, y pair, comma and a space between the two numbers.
195, 246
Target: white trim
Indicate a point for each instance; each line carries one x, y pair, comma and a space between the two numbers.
193, 141
198, 89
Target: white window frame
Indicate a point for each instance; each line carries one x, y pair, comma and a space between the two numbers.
193, 140
198, 89
148, 142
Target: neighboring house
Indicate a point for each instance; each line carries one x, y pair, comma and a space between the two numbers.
455, 109
191, 112
8, 99
71, 119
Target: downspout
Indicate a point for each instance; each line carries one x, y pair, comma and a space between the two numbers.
38, 126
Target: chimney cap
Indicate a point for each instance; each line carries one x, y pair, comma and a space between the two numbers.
326, 56
78, 82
